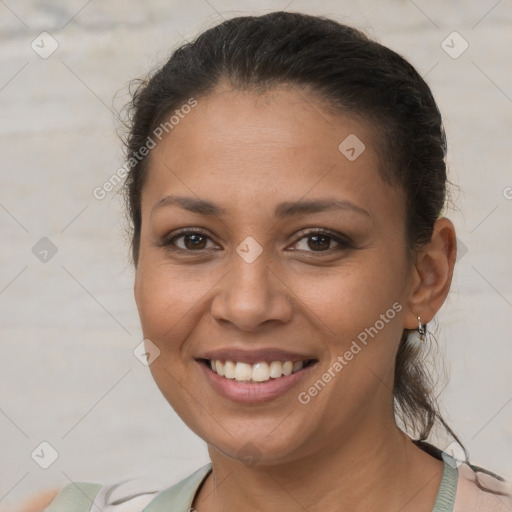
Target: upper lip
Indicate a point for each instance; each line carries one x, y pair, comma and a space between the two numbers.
254, 356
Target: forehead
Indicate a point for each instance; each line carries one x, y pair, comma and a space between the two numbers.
246, 149
283, 118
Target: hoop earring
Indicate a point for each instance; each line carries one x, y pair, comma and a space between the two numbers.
417, 337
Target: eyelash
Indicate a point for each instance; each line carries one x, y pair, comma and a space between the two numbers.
344, 243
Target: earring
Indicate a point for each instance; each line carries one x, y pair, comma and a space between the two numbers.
417, 337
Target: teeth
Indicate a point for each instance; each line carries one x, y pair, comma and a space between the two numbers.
243, 371
258, 372
297, 366
276, 369
229, 369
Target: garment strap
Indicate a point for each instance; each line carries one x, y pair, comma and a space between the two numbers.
180, 496
445, 499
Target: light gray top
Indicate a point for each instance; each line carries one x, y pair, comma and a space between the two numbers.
140, 496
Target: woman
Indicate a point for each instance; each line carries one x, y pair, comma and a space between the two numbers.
285, 182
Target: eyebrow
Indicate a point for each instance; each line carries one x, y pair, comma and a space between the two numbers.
282, 210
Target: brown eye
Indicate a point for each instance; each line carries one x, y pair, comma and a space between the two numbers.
186, 241
193, 241
321, 241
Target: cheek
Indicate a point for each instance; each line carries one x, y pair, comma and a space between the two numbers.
354, 296
358, 312
168, 298
358, 316
165, 301
153, 295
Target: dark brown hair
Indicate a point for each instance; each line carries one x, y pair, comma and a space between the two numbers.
350, 73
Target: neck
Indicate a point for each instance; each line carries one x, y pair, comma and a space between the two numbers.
390, 473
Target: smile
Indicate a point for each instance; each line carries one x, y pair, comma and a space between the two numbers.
258, 372
255, 383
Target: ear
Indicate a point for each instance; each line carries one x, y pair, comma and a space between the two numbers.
432, 274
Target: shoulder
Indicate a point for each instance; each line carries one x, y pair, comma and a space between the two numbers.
479, 490
127, 496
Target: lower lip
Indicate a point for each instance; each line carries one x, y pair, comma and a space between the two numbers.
245, 392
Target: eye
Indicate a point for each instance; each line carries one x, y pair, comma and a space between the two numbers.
313, 240
191, 240
320, 240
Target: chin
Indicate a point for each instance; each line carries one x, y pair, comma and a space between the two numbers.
257, 450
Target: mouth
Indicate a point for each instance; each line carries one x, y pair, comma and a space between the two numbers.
258, 373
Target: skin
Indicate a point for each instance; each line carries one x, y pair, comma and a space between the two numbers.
37, 502
247, 153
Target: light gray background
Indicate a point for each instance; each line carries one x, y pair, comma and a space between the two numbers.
69, 326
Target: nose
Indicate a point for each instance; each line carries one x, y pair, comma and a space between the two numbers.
252, 294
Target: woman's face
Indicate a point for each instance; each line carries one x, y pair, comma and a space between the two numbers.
252, 278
